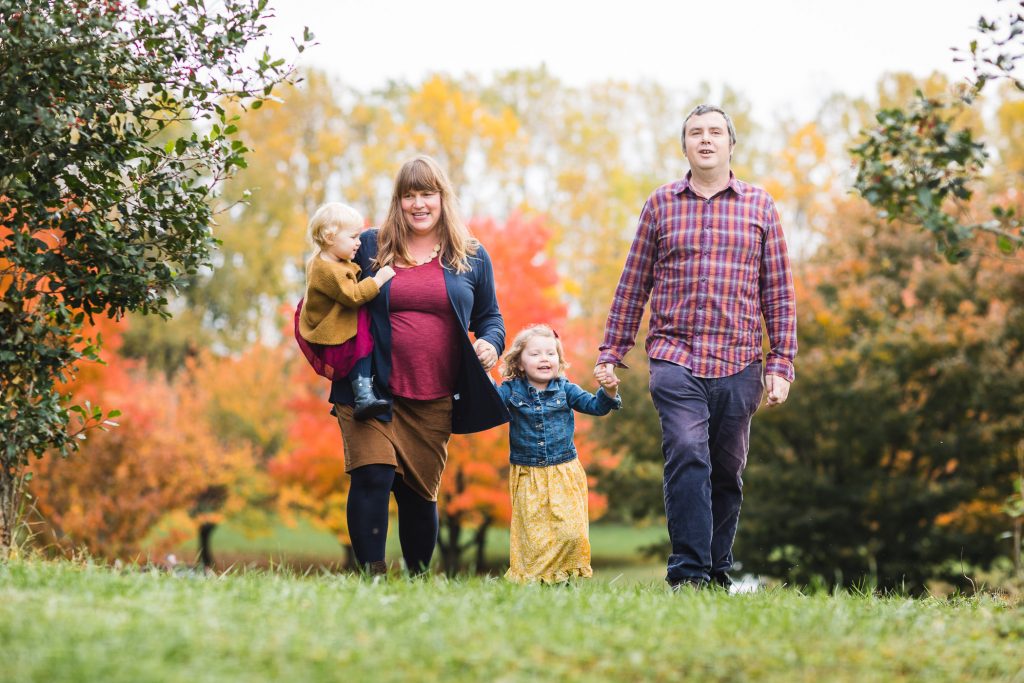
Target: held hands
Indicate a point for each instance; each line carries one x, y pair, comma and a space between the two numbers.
605, 374
383, 275
485, 353
778, 389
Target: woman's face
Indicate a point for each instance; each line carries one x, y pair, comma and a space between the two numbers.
422, 210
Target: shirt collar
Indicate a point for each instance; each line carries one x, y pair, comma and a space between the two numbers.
527, 387
683, 184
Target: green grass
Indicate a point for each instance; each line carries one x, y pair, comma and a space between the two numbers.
615, 547
276, 540
67, 622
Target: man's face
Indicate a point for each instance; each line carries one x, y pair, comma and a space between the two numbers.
707, 142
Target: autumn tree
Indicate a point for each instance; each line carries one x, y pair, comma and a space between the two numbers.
243, 401
161, 466
894, 455
309, 469
99, 217
193, 451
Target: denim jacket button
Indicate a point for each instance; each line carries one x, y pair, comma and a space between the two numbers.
540, 443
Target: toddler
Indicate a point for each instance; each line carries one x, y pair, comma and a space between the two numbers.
331, 325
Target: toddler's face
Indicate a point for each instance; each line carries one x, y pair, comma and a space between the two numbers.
539, 361
345, 243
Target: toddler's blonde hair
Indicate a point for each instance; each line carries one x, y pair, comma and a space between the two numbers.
328, 220
510, 363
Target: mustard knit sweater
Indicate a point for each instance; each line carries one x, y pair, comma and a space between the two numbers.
334, 294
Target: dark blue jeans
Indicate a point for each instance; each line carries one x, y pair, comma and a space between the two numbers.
705, 424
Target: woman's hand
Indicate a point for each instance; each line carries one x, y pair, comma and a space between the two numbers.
485, 353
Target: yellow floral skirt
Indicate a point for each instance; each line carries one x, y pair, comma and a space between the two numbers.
550, 528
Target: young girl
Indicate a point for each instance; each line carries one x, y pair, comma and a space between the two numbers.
331, 325
549, 531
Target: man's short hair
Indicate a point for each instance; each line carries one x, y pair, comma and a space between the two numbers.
702, 109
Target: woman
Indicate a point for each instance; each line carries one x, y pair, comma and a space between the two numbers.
424, 365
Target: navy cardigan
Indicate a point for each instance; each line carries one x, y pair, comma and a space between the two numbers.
476, 405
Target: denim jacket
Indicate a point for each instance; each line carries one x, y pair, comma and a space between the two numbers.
542, 426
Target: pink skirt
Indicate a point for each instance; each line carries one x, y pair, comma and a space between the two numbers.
334, 361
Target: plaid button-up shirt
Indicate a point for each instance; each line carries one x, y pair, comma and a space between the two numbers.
712, 268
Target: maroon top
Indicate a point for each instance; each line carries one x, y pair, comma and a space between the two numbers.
424, 329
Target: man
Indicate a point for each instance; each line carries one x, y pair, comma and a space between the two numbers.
710, 253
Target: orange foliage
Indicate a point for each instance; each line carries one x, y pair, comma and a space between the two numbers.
310, 469
970, 516
123, 482
243, 395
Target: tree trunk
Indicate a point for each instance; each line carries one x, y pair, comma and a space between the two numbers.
479, 541
451, 549
1017, 532
351, 563
10, 496
205, 553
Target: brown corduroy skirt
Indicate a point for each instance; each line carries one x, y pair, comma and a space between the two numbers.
415, 442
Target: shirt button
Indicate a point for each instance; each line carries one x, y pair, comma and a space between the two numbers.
540, 443
703, 279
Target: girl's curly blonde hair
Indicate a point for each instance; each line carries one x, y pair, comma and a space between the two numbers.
510, 368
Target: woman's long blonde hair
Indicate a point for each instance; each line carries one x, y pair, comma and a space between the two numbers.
510, 363
423, 174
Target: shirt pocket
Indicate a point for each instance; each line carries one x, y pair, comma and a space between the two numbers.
557, 401
521, 405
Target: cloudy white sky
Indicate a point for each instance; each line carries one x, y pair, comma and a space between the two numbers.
785, 55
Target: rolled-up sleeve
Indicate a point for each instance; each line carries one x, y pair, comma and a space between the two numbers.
632, 292
778, 298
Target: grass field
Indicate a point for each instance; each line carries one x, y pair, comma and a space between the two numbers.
616, 548
72, 622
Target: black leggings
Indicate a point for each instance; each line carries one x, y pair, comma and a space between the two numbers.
368, 498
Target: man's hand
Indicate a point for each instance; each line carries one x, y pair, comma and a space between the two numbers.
605, 375
778, 389
485, 353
